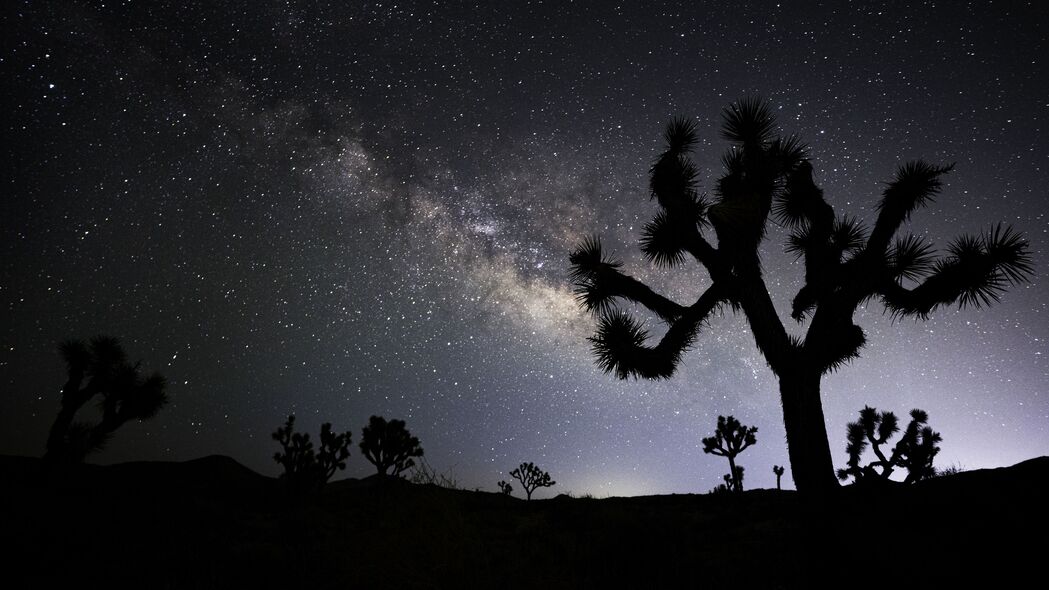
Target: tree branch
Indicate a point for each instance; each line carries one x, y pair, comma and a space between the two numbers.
619, 344
976, 272
915, 185
769, 334
598, 282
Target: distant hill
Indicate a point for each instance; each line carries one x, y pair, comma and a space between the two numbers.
213, 523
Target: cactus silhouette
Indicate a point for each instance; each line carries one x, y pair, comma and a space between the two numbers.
730, 439
531, 478
914, 452
845, 267
99, 369
306, 469
389, 445
779, 473
505, 488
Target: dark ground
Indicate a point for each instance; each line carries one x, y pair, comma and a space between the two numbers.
213, 523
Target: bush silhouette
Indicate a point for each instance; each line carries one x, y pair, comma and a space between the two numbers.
505, 488
949, 471
723, 488
730, 439
531, 478
914, 452
389, 445
306, 469
123, 394
779, 473
423, 474
845, 266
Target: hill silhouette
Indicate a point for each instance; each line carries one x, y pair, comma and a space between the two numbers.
212, 522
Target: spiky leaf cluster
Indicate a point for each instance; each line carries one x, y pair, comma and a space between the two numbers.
976, 272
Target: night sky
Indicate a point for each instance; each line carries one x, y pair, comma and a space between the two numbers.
344, 209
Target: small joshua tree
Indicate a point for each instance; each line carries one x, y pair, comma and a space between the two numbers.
531, 478
505, 488
914, 451
779, 473
730, 439
306, 469
123, 392
389, 445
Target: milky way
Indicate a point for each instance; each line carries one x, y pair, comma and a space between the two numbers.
367, 208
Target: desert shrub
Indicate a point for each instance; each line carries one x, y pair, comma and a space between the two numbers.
422, 473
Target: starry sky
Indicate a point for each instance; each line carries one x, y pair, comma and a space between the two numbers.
353, 208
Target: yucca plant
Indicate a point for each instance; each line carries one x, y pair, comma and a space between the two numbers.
914, 452
99, 369
846, 265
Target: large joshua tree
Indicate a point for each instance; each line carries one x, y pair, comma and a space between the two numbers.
845, 266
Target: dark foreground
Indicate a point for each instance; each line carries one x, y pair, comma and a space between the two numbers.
212, 523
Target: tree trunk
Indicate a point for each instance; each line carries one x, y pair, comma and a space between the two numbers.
810, 458
736, 486
56, 438
72, 399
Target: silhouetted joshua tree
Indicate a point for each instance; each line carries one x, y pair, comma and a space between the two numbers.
730, 439
779, 473
845, 266
914, 452
100, 369
531, 478
505, 488
389, 445
307, 470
